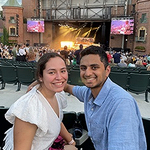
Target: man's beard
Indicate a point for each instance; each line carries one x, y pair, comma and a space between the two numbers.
96, 86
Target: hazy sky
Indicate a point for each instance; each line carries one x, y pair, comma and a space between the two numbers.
2, 2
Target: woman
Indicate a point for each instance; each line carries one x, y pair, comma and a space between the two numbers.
37, 116
31, 56
64, 54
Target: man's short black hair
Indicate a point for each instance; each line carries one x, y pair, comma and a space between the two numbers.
96, 50
27, 44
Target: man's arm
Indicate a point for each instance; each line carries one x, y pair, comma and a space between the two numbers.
32, 85
68, 88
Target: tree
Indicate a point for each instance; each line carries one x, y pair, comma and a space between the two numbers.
5, 37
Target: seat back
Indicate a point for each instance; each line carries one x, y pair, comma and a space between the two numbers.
144, 72
9, 74
81, 117
115, 69
74, 77
87, 145
25, 75
141, 69
130, 70
0, 75
120, 78
76, 67
69, 119
138, 83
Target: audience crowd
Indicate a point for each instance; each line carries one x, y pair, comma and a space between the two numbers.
24, 52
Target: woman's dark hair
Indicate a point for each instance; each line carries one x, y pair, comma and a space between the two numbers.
41, 64
96, 50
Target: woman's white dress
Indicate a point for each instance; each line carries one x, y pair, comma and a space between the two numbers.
35, 109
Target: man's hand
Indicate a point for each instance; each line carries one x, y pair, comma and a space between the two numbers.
31, 86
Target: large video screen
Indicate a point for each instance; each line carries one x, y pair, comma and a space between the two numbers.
123, 26
35, 25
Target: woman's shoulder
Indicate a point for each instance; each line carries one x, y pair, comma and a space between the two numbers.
29, 98
26, 107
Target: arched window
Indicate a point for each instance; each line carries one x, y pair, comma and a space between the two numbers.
12, 31
142, 33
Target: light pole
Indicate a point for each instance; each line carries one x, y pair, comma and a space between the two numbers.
125, 14
40, 15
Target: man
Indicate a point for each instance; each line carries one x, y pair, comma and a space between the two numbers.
116, 57
112, 115
14, 51
77, 53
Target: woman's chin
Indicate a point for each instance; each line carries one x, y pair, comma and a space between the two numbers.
59, 90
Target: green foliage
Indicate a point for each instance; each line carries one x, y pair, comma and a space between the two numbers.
12, 42
140, 47
5, 37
